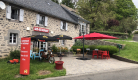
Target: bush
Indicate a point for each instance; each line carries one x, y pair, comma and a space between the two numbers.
136, 32
54, 48
92, 47
111, 49
76, 47
110, 33
78, 43
15, 54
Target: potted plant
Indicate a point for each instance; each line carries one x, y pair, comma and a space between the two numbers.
59, 64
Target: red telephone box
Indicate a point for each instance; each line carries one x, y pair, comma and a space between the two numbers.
25, 56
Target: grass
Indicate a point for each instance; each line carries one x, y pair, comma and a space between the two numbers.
130, 50
8, 70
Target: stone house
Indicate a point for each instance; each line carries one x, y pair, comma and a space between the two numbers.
28, 17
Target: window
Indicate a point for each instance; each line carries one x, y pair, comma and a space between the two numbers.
64, 25
13, 38
83, 28
14, 13
41, 20
62, 42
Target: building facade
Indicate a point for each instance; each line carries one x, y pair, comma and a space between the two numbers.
21, 18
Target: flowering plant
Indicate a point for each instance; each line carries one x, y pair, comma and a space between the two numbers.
63, 49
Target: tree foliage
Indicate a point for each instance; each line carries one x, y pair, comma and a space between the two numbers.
124, 9
112, 22
96, 11
68, 3
113, 15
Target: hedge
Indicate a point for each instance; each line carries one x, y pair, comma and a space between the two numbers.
111, 49
109, 33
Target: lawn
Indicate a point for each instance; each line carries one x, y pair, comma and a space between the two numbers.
130, 50
8, 71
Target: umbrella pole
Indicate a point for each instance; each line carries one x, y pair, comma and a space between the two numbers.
83, 45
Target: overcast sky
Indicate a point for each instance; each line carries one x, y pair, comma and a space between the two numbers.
135, 3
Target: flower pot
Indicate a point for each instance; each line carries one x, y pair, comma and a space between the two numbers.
59, 65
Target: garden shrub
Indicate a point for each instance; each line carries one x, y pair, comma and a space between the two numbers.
54, 48
78, 43
76, 47
111, 49
15, 54
92, 47
85, 46
136, 32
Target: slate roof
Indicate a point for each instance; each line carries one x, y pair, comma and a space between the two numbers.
73, 15
47, 7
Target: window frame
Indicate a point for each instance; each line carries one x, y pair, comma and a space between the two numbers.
43, 17
62, 42
18, 12
64, 25
12, 42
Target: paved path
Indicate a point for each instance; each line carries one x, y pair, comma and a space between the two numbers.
75, 66
125, 74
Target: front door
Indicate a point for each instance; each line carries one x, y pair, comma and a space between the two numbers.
43, 45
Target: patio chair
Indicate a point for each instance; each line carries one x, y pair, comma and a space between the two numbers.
38, 55
31, 54
105, 55
94, 53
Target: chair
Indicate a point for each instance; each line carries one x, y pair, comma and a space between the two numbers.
104, 54
78, 51
100, 53
94, 53
31, 54
108, 56
38, 54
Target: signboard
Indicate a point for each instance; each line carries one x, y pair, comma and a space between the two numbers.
25, 56
41, 29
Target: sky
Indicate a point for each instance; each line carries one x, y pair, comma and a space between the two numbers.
135, 3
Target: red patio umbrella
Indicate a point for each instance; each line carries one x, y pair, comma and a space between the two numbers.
94, 36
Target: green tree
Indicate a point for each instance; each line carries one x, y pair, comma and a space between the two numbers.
124, 9
127, 25
97, 12
68, 3
56, 1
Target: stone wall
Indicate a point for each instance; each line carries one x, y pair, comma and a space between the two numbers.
8, 26
100, 42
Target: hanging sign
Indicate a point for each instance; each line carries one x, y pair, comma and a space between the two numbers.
25, 56
41, 29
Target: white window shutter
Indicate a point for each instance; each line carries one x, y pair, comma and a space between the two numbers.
8, 12
46, 20
37, 18
85, 29
61, 27
66, 26
21, 16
